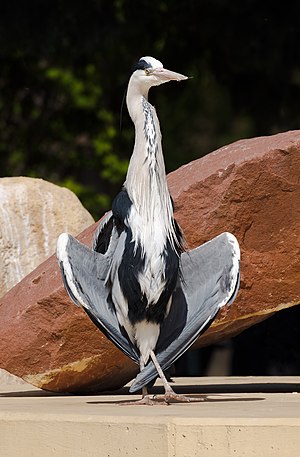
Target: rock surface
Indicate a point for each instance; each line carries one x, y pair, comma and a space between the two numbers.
33, 213
250, 188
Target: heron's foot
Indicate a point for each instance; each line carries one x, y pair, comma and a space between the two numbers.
164, 400
172, 397
148, 400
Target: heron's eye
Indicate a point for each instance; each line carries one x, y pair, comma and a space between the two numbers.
147, 71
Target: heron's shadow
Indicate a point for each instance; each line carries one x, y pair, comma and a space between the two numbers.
202, 399
191, 391
212, 390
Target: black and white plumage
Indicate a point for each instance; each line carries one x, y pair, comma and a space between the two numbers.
137, 284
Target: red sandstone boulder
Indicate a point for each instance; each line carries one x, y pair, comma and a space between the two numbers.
250, 188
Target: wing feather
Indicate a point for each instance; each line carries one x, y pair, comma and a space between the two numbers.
84, 273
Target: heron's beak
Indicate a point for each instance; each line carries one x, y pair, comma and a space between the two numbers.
167, 75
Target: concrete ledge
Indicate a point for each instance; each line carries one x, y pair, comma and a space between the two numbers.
241, 417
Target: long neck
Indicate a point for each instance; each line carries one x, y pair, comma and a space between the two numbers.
146, 182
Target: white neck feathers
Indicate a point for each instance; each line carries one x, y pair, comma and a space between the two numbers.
146, 182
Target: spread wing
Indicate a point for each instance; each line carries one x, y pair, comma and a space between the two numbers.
210, 279
84, 273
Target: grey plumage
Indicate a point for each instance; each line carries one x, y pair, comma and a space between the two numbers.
136, 283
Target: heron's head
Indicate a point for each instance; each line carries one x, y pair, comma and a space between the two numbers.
150, 72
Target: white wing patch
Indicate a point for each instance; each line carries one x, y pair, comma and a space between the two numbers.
62, 255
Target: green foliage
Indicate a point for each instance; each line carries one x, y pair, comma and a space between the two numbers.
65, 67
82, 93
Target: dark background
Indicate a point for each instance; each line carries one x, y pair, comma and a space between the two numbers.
64, 67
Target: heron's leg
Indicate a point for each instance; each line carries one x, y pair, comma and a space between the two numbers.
169, 392
144, 389
146, 398
161, 374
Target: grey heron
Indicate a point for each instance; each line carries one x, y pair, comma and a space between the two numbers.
137, 283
